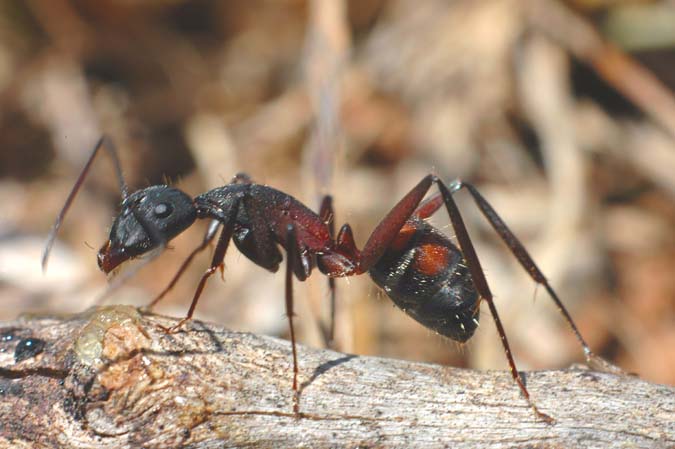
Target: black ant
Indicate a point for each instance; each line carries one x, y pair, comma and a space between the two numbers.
418, 267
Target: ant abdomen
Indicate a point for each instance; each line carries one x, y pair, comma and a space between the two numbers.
426, 276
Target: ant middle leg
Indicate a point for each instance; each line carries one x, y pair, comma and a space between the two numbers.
328, 216
294, 265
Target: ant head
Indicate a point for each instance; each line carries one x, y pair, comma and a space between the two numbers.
149, 218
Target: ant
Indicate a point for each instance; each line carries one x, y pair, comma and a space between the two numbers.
421, 270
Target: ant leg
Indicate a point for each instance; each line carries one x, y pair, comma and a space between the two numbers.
216, 262
294, 260
431, 205
328, 216
412, 205
382, 236
528, 264
103, 142
208, 237
428, 207
483, 289
385, 232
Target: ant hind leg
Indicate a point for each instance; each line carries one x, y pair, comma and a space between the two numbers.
483, 289
528, 264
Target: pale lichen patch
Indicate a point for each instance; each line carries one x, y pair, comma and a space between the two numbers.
111, 333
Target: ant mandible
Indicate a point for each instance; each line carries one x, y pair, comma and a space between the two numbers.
418, 267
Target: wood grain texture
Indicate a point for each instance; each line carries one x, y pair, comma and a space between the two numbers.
111, 378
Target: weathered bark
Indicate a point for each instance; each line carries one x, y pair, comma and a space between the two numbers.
112, 378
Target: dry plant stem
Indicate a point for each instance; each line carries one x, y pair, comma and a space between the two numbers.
327, 48
617, 68
111, 378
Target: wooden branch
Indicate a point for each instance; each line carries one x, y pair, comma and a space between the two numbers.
111, 378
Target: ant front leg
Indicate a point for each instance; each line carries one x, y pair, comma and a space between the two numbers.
216, 262
208, 238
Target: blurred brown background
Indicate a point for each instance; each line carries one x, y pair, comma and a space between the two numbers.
571, 139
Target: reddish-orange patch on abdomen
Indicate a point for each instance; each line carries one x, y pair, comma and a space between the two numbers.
431, 259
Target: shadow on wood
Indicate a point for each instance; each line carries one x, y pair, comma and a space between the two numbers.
111, 377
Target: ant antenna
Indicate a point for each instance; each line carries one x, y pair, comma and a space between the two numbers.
103, 142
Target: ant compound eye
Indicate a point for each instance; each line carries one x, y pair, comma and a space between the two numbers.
163, 210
